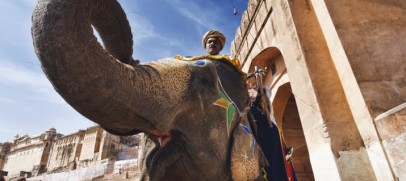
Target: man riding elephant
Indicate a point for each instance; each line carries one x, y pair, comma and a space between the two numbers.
213, 42
268, 136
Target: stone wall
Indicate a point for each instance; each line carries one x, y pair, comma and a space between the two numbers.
90, 144
392, 128
24, 159
87, 173
344, 66
372, 34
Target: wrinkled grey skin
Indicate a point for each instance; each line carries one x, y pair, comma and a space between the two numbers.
108, 87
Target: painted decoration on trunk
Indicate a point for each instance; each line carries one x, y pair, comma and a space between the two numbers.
248, 131
226, 103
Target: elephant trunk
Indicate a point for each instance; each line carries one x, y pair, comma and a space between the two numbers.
111, 23
92, 80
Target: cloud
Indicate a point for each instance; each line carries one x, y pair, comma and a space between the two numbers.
144, 30
203, 15
148, 39
30, 105
17, 76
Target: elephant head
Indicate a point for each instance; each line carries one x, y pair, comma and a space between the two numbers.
189, 107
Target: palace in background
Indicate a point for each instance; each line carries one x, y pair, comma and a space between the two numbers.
50, 153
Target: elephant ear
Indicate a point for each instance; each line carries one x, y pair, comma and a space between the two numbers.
247, 159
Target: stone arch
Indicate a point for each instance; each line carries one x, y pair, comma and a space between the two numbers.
280, 101
292, 130
268, 58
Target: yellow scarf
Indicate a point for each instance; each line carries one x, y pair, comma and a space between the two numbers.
234, 61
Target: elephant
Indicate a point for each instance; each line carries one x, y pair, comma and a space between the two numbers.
194, 111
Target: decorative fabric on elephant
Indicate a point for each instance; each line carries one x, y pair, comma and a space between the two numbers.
250, 135
228, 104
224, 58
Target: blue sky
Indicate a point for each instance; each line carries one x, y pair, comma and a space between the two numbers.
161, 28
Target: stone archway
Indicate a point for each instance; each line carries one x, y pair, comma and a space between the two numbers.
288, 120
292, 131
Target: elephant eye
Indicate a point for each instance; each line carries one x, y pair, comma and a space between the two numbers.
199, 63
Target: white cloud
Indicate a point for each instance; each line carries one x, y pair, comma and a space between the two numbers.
30, 105
25, 79
5, 100
144, 30
147, 39
201, 18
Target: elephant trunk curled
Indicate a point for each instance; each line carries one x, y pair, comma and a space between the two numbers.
95, 81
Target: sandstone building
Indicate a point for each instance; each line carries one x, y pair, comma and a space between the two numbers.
100, 146
28, 155
337, 71
65, 151
89, 147
51, 152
